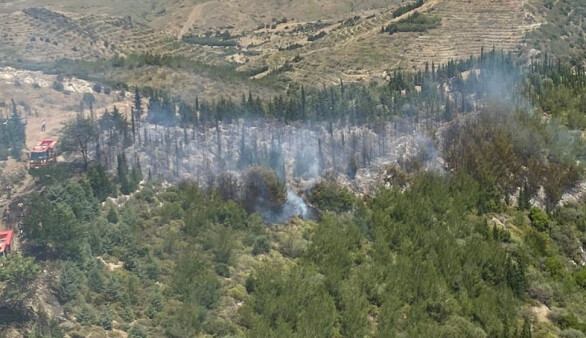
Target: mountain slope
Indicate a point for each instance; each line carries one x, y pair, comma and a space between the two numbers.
314, 42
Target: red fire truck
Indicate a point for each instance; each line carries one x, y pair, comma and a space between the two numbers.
5, 241
43, 153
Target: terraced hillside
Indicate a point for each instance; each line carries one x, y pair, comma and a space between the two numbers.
359, 50
317, 42
39, 34
468, 26
246, 15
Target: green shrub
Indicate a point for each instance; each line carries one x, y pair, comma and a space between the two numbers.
219, 328
539, 219
580, 277
209, 41
238, 292
171, 211
86, 316
330, 196
554, 266
407, 8
105, 320
415, 22
572, 333
263, 189
70, 282
137, 331
223, 270
538, 242
261, 245
146, 194
112, 216
193, 281
50, 174
250, 283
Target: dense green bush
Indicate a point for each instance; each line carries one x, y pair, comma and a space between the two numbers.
262, 188
330, 196
407, 8
261, 245
137, 331
539, 219
112, 216
70, 282
17, 273
209, 41
415, 22
105, 320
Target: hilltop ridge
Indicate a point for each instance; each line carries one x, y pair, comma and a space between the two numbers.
314, 42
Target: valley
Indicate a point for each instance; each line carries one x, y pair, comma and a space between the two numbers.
311, 168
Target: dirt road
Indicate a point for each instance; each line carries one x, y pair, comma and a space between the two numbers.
193, 15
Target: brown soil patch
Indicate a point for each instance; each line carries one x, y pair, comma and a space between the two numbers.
541, 313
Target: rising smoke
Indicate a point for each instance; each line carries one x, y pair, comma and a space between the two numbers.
301, 154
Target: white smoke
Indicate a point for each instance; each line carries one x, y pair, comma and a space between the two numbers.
294, 206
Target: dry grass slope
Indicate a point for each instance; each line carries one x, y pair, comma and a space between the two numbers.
350, 46
360, 51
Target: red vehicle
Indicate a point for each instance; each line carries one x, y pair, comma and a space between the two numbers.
43, 153
5, 241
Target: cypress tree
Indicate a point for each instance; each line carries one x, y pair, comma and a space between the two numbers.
122, 170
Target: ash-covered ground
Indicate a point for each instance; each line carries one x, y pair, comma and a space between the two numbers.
301, 154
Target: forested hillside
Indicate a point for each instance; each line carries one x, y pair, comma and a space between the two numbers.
487, 242
269, 168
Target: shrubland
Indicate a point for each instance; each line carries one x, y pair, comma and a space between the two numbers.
474, 249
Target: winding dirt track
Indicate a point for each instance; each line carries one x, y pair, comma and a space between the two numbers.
196, 12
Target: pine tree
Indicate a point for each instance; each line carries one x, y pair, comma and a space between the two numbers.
516, 277
135, 175
85, 316
155, 302
96, 279
70, 282
112, 216
448, 110
112, 289
16, 133
122, 170
105, 320
137, 107
524, 202
100, 183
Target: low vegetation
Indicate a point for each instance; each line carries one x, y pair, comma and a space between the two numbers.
562, 19
316, 36
415, 22
209, 41
407, 8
